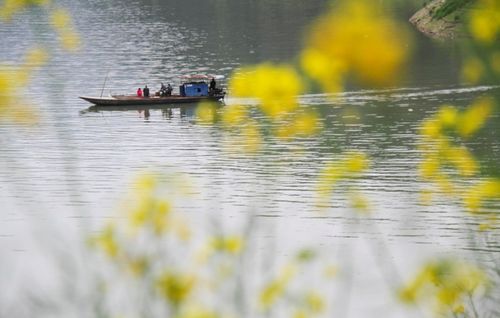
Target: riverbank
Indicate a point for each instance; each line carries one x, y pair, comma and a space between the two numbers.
447, 27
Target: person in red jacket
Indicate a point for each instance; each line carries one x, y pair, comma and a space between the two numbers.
139, 92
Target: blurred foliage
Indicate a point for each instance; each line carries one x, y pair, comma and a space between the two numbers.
447, 286
154, 248
189, 272
14, 75
449, 7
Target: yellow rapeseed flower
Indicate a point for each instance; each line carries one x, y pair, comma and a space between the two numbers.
275, 86
355, 37
106, 241
227, 244
429, 167
475, 116
276, 288
11, 78
322, 68
62, 23
36, 57
138, 266
444, 284
356, 162
196, 311
11, 7
315, 302
234, 116
484, 21
60, 18
205, 112
430, 128
251, 138
477, 194
70, 40
306, 124
447, 116
359, 202
301, 124
175, 287
464, 161
146, 183
472, 70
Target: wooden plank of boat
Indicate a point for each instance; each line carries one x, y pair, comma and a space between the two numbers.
129, 100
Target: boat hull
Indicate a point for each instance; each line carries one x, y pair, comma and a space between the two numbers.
125, 100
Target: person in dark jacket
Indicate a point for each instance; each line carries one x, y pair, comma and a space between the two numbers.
145, 91
213, 84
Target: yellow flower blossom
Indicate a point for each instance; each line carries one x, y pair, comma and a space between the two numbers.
35, 58
234, 116
444, 184
463, 160
429, 167
305, 255
276, 288
444, 284
458, 309
146, 183
359, 202
315, 303
475, 116
196, 311
227, 244
11, 7
484, 190
325, 70
251, 137
69, 40
447, 116
306, 124
339, 42
301, 124
138, 266
12, 77
472, 70
175, 287
205, 112
356, 162
352, 166
61, 21
275, 86
106, 241
60, 18
181, 229
484, 22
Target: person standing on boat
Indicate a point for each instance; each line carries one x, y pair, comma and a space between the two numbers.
139, 92
213, 84
146, 91
169, 89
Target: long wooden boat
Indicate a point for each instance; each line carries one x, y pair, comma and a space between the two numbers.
132, 100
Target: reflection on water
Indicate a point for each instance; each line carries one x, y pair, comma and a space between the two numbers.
75, 166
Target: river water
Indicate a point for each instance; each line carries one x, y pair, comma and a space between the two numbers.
69, 173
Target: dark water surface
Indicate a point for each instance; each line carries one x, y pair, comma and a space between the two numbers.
70, 172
